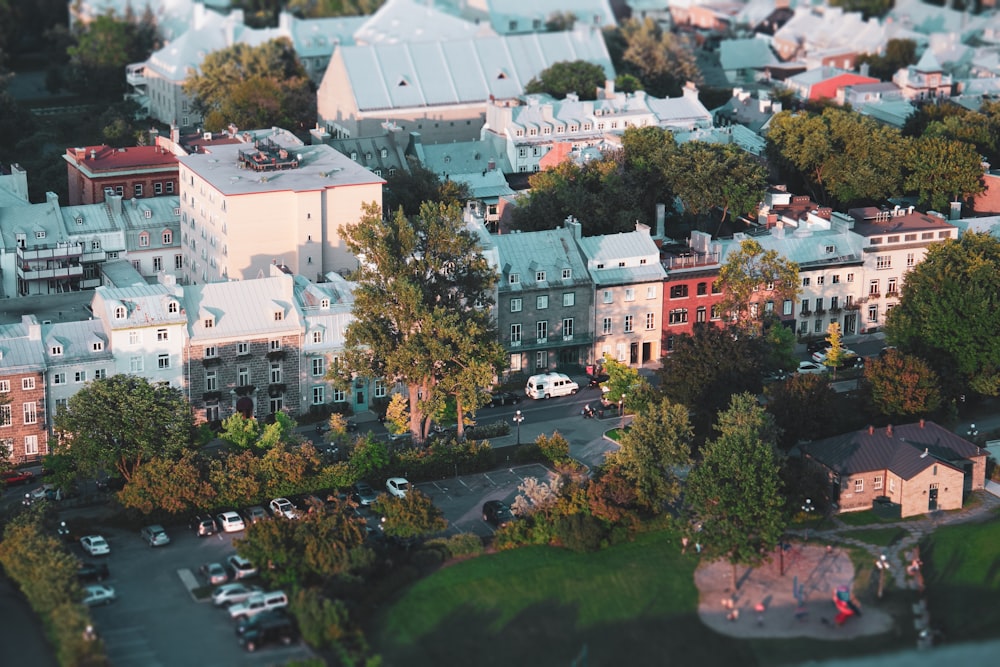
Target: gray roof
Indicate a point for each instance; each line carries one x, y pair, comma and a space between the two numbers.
749, 53
242, 308
806, 247
76, 340
636, 250
464, 71
527, 253
527, 12
145, 305
18, 350
411, 21
31, 220
319, 167
902, 452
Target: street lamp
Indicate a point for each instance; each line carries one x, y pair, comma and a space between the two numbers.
808, 508
621, 405
518, 418
882, 564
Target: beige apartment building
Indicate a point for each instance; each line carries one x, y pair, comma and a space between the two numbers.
269, 199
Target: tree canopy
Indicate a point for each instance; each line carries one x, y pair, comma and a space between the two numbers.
103, 47
803, 408
577, 76
755, 284
409, 188
253, 86
898, 385
661, 60
118, 423
949, 313
708, 176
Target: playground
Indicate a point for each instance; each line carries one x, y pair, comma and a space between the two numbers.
811, 598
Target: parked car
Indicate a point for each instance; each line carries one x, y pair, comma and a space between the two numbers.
817, 345
95, 545
230, 522
202, 525
214, 573
15, 477
363, 494
499, 398
279, 630
233, 593
155, 535
96, 594
254, 514
397, 486
240, 567
810, 367
497, 512
283, 507
89, 572
245, 623
257, 603
819, 356
545, 385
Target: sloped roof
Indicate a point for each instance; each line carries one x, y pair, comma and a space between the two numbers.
549, 250
411, 21
30, 219
749, 53
636, 250
906, 450
77, 340
145, 305
928, 63
242, 308
18, 349
526, 12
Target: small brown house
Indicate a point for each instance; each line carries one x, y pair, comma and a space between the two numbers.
920, 467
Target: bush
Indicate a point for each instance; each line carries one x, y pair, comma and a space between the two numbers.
492, 430
457, 546
555, 447
322, 621
580, 532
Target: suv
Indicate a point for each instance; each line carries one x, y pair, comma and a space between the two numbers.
240, 567
257, 603
269, 631
203, 526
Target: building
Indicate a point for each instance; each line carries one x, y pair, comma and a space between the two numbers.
924, 81
822, 29
918, 467
75, 353
524, 16
690, 293
23, 427
269, 200
628, 301
136, 171
36, 255
825, 83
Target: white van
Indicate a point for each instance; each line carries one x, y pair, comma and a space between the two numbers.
550, 384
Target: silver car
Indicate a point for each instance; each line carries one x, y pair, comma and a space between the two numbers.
233, 593
155, 535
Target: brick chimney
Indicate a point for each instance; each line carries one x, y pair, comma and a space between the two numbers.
888, 430
921, 423
871, 430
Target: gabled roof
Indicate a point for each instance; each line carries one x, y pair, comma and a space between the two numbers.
905, 450
77, 340
21, 346
145, 305
411, 21
242, 308
623, 258
509, 16
550, 250
749, 53
31, 220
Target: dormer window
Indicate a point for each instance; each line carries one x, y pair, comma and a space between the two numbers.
567, 274
172, 307
830, 249
144, 240
402, 82
78, 219
368, 156
148, 214
119, 313
324, 303
97, 346
354, 155
384, 153
56, 350
40, 234
208, 322
515, 278
279, 315
539, 276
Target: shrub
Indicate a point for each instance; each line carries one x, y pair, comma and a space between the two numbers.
580, 532
457, 546
321, 620
555, 447
491, 430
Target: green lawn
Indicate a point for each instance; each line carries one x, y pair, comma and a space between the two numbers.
880, 537
634, 602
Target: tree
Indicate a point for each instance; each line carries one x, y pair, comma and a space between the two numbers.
168, 485
625, 381
412, 516
899, 385
752, 278
835, 353
949, 313
709, 176
117, 423
899, 53
368, 456
655, 452
102, 49
253, 86
578, 76
418, 279
397, 415
780, 343
802, 407
409, 188
662, 61
940, 171
734, 493
240, 431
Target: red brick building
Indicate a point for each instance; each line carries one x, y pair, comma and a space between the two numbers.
22, 391
136, 171
689, 292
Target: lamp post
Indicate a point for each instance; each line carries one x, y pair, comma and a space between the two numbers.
621, 405
808, 508
518, 418
882, 564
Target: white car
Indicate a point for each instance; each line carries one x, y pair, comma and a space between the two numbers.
257, 603
811, 367
95, 545
96, 594
240, 567
230, 522
820, 355
283, 507
233, 593
397, 486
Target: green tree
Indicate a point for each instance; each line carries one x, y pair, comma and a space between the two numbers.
868, 9
734, 493
899, 53
368, 456
835, 353
648, 154
755, 282
397, 414
253, 86
577, 76
803, 408
949, 313
940, 171
624, 380
236, 478
102, 49
34, 558
240, 431
655, 451
420, 277
780, 347
663, 61
709, 176
409, 188
117, 423
167, 485
412, 516
899, 385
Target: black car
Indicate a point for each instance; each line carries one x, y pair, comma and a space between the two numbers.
363, 494
247, 623
504, 398
269, 631
814, 346
497, 513
90, 572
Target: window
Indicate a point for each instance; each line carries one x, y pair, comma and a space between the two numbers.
700, 314
805, 282
158, 188
541, 359
629, 323
168, 237
859, 486
542, 330
515, 305
162, 334
515, 278
818, 326
716, 312
873, 287
567, 328
62, 404
515, 334
539, 276
607, 297
135, 364
275, 373
59, 378
279, 316
678, 291
318, 395
381, 389
679, 316
607, 326
30, 413
620, 352
339, 395
569, 299
567, 274
651, 291
211, 351
877, 483
243, 348
819, 281
56, 350
100, 374
702, 289
211, 381
178, 261
819, 304
119, 313
27, 384
883, 262
542, 302
515, 361
80, 376
834, 303
137, 265
243, 376
31, 445
910, 259
629, 294
716, 288
4, 386
892, 485
318, 366
836, 278
872, 314
157, 263
6, 418
891, 287
137, 189
317, 337
163, 361
274, 344
850, 277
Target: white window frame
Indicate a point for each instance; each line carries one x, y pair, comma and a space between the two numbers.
515, 305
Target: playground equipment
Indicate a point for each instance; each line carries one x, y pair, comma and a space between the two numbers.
846, 605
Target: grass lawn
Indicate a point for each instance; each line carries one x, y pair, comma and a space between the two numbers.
542, 606
962, 575
879, 537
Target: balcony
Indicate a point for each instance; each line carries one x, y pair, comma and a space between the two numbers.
834, 309
211, 361
892, 294
29, 273
805, 313
276, 355
853, 306
244, 390
61, 252
276, 389
820, 311
515, 343
567, 338
211, 396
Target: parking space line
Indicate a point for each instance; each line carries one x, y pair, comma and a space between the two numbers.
442, 489
462, 482
488, 479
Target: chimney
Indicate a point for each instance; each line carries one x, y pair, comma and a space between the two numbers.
888, 430
93, 154
863, 70
573, 225
926, 452
871, 430
661, 215
921, 423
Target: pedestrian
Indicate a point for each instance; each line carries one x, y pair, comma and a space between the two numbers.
697, 547
684, 544
759, 608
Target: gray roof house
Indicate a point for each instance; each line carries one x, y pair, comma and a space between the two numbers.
522, 16
745, 60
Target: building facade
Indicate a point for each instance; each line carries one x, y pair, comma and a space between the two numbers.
135, 171
23, 424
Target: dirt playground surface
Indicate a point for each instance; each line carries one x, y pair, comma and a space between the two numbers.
765, 604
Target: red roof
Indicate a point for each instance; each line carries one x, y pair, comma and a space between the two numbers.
106, 158
829, 87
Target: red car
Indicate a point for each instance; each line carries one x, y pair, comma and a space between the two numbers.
12, 477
